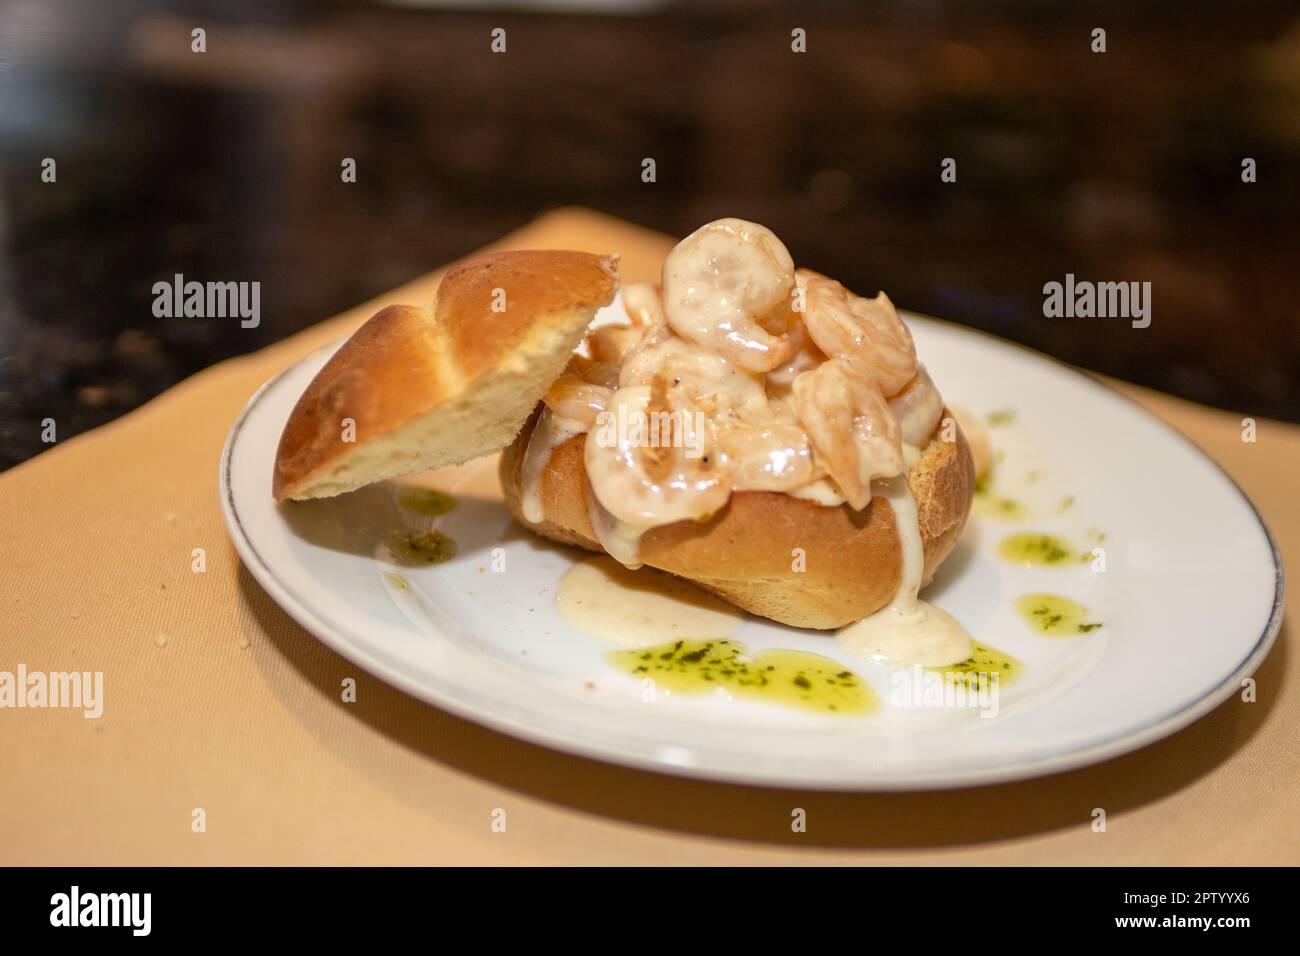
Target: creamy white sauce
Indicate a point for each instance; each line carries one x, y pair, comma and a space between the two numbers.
822, 491
550, 432
640, 608
907, 631
908, 635
621, 539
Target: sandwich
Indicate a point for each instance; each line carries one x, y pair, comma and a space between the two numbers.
756, 429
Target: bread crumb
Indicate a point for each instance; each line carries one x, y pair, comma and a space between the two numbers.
160, 640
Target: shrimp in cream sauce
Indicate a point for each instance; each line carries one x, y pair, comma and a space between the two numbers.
815, 395
855, 434
760, 377
641, 481
721, 282
866, 332
748, 375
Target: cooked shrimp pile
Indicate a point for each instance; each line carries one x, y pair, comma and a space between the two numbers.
794, 384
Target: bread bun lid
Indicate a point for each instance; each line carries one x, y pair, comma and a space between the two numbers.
745, 553
432, 386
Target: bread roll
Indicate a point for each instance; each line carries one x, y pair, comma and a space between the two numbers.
431, 386
746, 552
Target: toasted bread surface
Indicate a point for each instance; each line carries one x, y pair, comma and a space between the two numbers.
417, 388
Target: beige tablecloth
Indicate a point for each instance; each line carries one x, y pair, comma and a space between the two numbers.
215, 699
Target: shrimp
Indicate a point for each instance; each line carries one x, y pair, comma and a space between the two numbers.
642, 302
855, 435
804, 355
721, 283
774, 457
612, 343
572, 398
651, 465
709, 380
595, 371
604, 374
866, 331
917, 408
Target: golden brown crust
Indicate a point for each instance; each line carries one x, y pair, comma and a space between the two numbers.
745, 553
500, 330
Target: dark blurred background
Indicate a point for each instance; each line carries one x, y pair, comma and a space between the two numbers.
1122, 166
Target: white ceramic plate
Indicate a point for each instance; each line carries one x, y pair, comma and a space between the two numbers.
1190, 599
